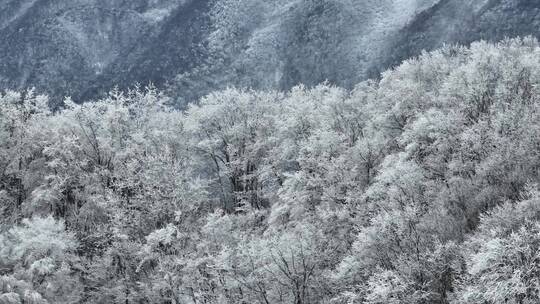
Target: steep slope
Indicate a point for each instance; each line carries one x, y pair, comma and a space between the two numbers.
64, 48
284, 43
463, 21
84, 48
176, 45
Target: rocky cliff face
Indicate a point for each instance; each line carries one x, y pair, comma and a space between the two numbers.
83, 48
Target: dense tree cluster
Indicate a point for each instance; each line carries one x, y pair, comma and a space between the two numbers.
418, 188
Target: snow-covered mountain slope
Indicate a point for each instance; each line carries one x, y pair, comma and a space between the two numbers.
69, 47
464, 21
83, 48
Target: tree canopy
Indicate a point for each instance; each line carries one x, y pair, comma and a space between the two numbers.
420, 187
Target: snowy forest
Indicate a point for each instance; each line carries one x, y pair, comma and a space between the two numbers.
421, 186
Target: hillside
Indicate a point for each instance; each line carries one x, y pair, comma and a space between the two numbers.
421, 187
84, 48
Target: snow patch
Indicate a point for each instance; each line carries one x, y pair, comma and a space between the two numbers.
157, 14
161, 9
